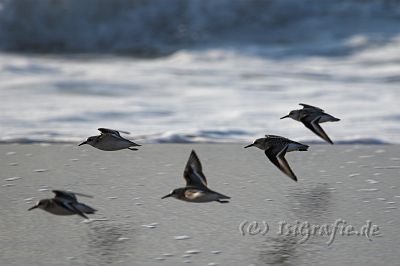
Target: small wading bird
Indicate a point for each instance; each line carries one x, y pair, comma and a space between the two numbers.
311, 117
275, 147
196, 189
110, 140
64, 203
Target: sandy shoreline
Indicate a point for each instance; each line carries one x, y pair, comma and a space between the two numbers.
353, 183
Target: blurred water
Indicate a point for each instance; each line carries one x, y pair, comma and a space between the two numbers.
193, 71
157, 27
208, 95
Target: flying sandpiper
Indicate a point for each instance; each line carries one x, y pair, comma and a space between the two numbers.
275, 147
110, 140
196, 189
311, 117
64, 203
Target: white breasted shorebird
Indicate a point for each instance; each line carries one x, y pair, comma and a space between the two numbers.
110, 140
275, 147
196, 189
311, 117
64, 203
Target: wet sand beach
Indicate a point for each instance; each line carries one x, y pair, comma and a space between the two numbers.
133, 226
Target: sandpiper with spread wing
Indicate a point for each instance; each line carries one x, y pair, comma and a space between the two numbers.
275, 148
311, 117
110, 140
64, 203
196, 189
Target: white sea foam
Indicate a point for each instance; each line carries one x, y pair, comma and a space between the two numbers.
213, 84
41, 170
368, 189
183, 237
12, 178
192, 251
151, 226
193, 107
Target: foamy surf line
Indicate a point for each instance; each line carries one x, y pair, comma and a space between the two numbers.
177, 138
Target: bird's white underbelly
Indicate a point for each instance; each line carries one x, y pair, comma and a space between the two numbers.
201, 197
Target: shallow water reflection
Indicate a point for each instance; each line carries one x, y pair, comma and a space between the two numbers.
278, 251
107, 242
311, 203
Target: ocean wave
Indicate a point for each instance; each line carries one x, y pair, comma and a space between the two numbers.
217, 136
159, 27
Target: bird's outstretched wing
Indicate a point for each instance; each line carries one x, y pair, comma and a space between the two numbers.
112, 131
64, 195
193, 172
278, 138
277, 157
69, 195
274, 137
316, 128
310, 106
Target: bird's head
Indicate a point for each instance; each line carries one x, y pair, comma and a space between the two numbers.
295, 114
259, 143
41, 204
90, 140
176, 193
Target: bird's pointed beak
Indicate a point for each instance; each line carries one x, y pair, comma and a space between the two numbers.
85, 142
33, 207
167, 196
286, 116
251, 145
